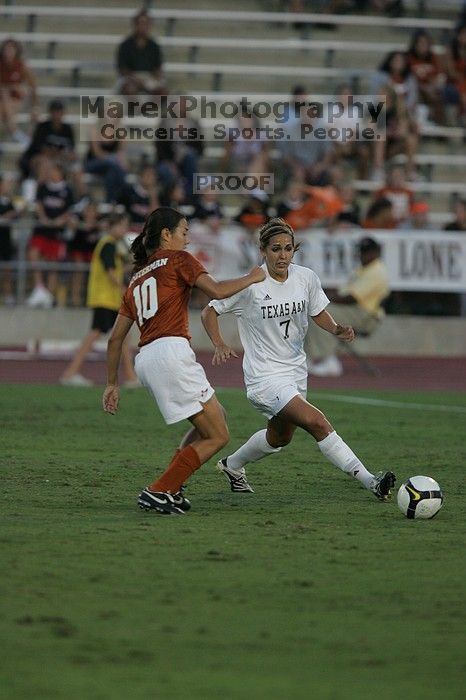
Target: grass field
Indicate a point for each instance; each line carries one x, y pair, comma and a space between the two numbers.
309, 588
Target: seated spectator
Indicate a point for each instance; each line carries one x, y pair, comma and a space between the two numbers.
355, 152
54, 202
104, 292
395, 81
253, 213
53, 140
16, 78
427, 68
350, 215
7, 214
247, 153
205, 228
398, 192
172, 195
358, 303
418, 219
106, 158
380, 215
306, 160
140, 198
309, 205
140, 61
455, 60
87, 229
459, 223
178, 159
208, 210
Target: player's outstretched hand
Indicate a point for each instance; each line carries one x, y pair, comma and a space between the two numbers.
345, 333
257, 274
222, 353
111, 399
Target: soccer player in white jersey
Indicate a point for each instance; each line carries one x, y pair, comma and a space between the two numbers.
273, 319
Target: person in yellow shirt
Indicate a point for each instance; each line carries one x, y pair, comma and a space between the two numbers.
357, 303
104, 292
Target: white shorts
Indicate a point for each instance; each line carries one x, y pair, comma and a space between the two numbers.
271, 396
167, 367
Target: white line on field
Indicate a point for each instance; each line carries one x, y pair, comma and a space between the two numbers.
390, 404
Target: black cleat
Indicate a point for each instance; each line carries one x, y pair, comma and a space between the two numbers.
383, 482
159, 502
180, 500
237, 480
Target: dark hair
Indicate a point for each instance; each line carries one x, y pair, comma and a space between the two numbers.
386, 63
149, 239
380, 205
418, 34
16, 44
273, 227
367, 245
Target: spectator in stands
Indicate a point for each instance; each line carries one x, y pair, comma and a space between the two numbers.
380, 215
247, 153
358, 302
459, 223
253, 214
177, 158
427, 68
53, 140
305, 205
140, 61
455, 90
54, 201
395, 81
87, 229
172, 195
140, 198
306, 160
398, 192
350, 215
7, 214
353, 151
16, 78
418, 219
104, 292
106, 158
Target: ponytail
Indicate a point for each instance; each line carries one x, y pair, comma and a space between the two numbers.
147, 242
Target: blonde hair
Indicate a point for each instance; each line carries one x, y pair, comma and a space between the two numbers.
272, 228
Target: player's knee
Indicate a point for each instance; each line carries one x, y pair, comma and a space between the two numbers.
320, 427
280, 441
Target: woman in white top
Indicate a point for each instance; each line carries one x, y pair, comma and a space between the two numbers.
272, 322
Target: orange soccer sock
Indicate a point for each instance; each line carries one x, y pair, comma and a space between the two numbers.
183, 464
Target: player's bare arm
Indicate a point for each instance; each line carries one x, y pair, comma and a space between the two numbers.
111, 397
222, 290
327, 322
222, 351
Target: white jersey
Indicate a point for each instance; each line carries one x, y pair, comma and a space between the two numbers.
273, 321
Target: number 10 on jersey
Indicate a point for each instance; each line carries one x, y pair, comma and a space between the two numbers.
145, 298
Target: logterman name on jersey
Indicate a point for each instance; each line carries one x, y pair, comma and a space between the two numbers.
285, 309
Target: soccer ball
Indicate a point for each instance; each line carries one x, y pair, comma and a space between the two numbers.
420, 497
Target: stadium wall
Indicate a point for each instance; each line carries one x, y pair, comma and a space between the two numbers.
397, 335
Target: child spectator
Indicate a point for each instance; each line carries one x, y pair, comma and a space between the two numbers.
15, 78
87, 231
54, 202
7, 214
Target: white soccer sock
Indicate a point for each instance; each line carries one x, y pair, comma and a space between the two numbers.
343, 457
252, 450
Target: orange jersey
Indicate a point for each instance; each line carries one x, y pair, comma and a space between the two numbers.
157, 296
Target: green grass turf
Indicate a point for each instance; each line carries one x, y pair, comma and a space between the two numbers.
309, 588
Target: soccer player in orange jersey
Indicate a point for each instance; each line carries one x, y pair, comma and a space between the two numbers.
157, 299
